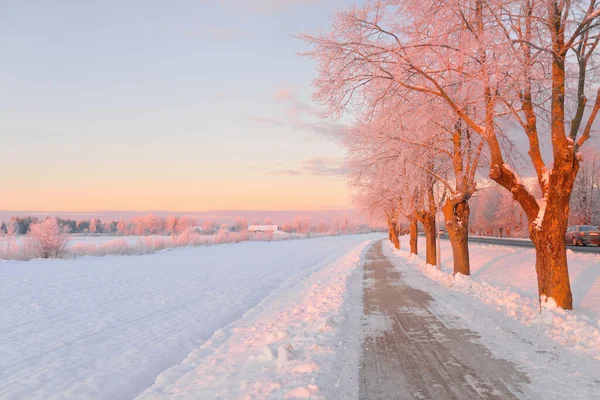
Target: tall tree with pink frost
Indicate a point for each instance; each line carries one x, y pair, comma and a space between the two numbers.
424, 134
374, 197
397, 180
525, 62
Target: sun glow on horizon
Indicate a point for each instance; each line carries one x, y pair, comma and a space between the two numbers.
271, 193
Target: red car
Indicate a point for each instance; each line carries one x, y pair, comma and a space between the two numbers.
582, 235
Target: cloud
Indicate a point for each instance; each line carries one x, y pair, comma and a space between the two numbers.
328, 130
324, 166
284, 95
293, 172
267, 121
316, 166
302, 116
295, 107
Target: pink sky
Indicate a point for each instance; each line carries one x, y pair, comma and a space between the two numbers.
145, 105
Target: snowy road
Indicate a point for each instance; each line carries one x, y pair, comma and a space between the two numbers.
418, 356
105, 328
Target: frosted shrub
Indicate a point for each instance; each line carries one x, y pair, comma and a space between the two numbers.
47, 239
114, 247
222, 237
82, 249
262, 237
10, 249
184, 238
237, 237
117, 246
151, 244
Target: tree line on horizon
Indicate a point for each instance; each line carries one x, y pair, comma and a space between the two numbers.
151, 224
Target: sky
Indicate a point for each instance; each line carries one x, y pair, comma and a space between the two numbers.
174, 105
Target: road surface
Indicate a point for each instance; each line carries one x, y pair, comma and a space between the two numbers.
418, 356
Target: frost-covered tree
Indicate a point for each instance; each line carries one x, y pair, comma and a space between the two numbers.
524, 64
47, 239
240, 225
95, 226
485, 207
185, 223
423, 134
170, 224
322, 227
509, 217
14, 228
387, 155
301, 224
122, 227
375, 198
585, 201
210, 227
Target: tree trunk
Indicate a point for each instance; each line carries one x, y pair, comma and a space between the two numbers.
547, 230
390, 230
414, 248
457, 225
548, 237
430, 239
395, 240
552, 270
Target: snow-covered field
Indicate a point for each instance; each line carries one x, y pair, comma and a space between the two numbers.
106, 328
268, 319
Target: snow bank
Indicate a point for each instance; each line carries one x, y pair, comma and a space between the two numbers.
290, 346
514, 268
575, 330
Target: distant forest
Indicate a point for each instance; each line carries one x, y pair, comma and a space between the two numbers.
153, 225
